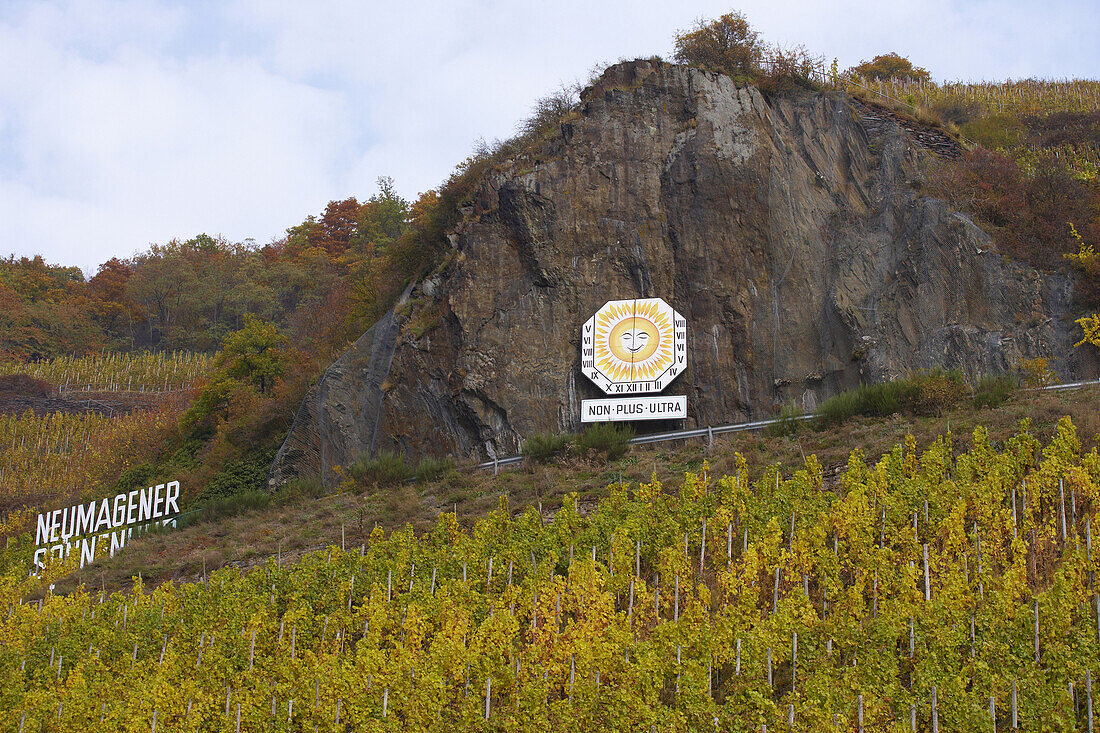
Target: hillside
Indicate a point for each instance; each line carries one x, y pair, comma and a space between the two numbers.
303, 518
942, 582
797, 231
893, 268
332, 276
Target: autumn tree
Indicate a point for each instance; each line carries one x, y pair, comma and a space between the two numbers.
336, 227
194, 292
728, 45
47, 310
382, 218
118, 314
252, 354
889, 66
249, 364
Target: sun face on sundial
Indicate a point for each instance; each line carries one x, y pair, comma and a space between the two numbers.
634, 346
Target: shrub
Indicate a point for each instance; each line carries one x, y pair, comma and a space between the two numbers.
890, 66
301, 488
923, 394
247, 475
1026, 209
937, 390
544, 446
728, 45
993, 391
1035, 372
788, 68
957, 112
430, 469
880, 400
993, 131
546, 114
1064, 128
385, 469
789, 422
1090, 327
837, 409
611, 439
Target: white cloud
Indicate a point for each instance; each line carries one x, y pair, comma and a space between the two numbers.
117, 151
125, 123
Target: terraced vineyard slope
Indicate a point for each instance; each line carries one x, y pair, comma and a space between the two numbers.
928, 586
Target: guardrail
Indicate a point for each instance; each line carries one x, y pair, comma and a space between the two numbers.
710, 431
1067, 385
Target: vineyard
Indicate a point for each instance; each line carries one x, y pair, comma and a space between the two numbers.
1023, 97
118, 371
58, 457
929, 591
1028, 119
52, 459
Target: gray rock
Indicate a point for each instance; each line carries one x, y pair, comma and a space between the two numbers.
791, 237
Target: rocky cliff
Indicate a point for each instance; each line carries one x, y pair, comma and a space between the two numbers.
790, 231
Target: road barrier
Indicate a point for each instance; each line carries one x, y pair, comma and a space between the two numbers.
710, 431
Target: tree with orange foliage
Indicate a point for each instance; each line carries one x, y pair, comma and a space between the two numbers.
890, 66
728, 45
336, 227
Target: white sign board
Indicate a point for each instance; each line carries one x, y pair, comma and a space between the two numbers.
104, 525
634, 408
634, 346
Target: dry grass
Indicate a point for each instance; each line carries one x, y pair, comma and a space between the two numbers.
289, 531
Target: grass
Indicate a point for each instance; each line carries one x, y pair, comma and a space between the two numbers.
790, 422
994, 391
390, 469
870, 400
227, 506
220, 507
385, 469
430, 469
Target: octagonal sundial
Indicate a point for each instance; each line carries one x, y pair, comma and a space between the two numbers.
634, 346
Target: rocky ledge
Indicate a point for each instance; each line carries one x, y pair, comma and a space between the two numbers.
790, 230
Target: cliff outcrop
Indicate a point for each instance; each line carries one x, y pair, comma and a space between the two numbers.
792, 235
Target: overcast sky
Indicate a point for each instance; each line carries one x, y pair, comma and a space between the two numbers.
128, 123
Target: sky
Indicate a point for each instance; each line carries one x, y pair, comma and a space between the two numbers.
124, 123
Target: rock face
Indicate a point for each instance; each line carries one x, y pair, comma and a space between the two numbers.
794, 239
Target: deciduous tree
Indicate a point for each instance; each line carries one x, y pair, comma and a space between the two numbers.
889, 66
728, 44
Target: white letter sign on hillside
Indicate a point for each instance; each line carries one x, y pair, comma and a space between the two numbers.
90, 527
629, 348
